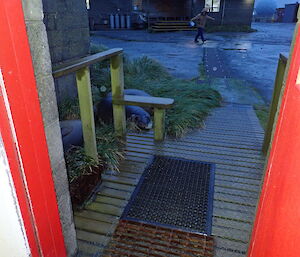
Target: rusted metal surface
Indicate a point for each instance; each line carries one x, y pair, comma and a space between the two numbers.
139, 239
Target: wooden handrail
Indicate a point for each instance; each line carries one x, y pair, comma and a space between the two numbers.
145, 101
73, 66
279, 84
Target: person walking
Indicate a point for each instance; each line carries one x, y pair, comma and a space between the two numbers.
200, 20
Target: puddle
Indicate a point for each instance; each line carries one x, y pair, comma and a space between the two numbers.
235, 49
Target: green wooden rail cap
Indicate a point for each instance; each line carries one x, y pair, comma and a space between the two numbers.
73, 66
145, 101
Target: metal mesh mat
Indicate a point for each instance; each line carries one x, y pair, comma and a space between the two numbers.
174, 192
139, 239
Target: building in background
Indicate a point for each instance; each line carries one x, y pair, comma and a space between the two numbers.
290, 13
226, 12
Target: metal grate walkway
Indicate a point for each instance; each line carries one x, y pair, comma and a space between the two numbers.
232, 139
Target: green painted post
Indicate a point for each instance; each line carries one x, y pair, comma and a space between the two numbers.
86, 111
279, 83
159, 124
117, 86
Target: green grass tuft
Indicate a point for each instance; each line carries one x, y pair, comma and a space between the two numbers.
78, 163
109, 147
262, 113
192, 101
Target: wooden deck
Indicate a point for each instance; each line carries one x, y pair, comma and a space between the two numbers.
232, 138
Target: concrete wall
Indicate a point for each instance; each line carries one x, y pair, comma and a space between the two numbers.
39, 47
68, 35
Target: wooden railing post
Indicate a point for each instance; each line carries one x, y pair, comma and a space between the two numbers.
282, 62
86, 111
117, 86
159, 124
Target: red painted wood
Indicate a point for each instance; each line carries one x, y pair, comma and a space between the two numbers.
277, 226
30, 166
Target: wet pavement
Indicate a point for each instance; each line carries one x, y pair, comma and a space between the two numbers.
247, 59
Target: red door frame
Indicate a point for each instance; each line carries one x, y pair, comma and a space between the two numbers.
22, 130
276, 229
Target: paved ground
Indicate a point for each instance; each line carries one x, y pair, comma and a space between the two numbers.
249, 57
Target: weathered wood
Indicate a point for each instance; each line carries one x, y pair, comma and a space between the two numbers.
73, 66
117, 86
86, 111
279, 84
159, 124
145, 101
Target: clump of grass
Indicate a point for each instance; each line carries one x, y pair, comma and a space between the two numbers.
109, 147
192, 101
68, 109
262, 113
79, 164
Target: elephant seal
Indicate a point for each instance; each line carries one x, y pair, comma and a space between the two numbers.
104, 112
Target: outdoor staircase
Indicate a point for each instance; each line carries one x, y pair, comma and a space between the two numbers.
171, 25
232, 139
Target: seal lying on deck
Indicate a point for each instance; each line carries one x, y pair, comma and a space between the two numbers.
104, 112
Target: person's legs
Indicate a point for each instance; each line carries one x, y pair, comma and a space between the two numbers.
198, 34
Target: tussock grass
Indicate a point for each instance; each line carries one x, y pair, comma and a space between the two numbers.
79, 164
262, 113
192, 101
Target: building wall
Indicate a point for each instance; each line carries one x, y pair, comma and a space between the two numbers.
101, 9
238, 12
232, 12
39, 48
167, 8
68, 35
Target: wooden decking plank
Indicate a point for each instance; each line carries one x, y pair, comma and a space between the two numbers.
121, 187
123, 174
88, 249
220, 222
93, 226
197, 144
115, 193
233, 215
111, 201
235, 207
230, 246
105, 209
235, 192
231, 234
120, 180
199, 148
138, 154
92, 237
235, 199
99, 216
237, 185
242, 180
206, 150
